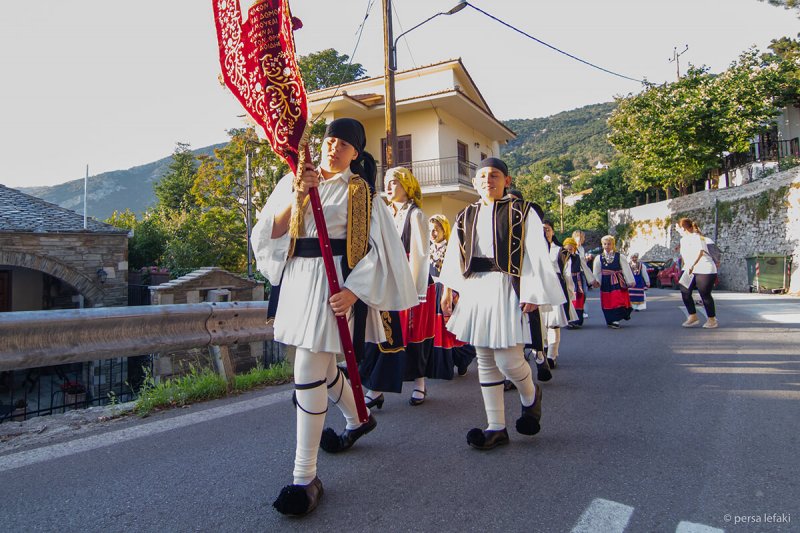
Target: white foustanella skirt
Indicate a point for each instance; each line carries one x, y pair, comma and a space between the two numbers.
487, 314
304, 317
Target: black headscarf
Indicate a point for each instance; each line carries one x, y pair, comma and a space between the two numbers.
352, 131
494, 162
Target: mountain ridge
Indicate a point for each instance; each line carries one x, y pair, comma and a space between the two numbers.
577, 134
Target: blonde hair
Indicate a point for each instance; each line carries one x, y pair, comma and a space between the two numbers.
611, 239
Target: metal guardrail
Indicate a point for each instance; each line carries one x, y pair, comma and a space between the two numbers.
30, 339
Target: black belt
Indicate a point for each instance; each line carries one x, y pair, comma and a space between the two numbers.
310, 247
483, 264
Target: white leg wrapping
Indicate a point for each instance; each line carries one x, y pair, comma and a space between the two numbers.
309, 368
489, 374
553, 340
341, 393
511, 362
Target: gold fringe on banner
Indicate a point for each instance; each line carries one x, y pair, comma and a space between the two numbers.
297, 221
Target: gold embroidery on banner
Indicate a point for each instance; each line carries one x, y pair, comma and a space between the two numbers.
359, 210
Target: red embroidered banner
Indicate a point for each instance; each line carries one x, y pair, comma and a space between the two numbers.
259, 67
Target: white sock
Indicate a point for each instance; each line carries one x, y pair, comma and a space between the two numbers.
512, 364
309, 368
553, 340
341, 393
491, 380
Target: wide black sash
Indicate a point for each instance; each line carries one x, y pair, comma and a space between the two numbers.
309, 247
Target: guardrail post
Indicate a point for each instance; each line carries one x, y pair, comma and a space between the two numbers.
223, 362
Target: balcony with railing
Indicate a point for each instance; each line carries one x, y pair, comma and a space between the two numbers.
443, 172
763, 151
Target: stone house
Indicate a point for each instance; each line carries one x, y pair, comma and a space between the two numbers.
49, 260
209, 284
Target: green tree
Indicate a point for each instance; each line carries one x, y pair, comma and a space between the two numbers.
328, 68
173, 191
149, 240
669, 135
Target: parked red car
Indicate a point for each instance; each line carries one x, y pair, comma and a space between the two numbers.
669, 275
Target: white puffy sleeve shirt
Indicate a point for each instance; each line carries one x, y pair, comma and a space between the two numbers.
418, 249
381, 279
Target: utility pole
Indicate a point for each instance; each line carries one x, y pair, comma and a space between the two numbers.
248, 222
561, 202
676, 58
390, 103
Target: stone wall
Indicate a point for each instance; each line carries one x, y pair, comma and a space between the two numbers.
759, 217
74, 258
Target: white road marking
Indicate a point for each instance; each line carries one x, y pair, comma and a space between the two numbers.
691, 527
55, 451
604, 515
784, 318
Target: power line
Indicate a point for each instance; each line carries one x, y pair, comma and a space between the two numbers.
576, 58
360, 31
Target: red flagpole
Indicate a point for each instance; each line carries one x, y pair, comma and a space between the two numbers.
341, 321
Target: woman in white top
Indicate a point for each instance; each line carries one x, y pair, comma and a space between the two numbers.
698, 264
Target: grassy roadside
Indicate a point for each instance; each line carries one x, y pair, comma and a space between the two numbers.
205, 384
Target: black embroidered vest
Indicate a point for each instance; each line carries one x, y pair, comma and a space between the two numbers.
508, 225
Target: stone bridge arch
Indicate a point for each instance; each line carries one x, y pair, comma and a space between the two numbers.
90, 289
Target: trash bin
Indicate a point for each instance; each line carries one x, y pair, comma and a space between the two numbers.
768, 272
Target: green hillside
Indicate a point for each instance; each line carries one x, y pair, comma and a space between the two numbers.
579, 135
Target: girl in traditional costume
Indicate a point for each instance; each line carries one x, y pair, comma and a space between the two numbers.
448, 352
405, 354
581, 278
640, 285
497, 261
373, 273
613, 275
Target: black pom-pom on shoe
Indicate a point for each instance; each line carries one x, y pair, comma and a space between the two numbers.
486, 440
299, 500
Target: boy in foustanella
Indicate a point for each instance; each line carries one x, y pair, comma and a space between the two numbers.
497, 261
373, 273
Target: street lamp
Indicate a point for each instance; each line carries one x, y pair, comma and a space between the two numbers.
393, 52
390, 62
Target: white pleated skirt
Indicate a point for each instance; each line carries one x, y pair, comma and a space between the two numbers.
487, 314
304, 317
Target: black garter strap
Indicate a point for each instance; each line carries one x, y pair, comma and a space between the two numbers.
335, 380
309, 386
495, 384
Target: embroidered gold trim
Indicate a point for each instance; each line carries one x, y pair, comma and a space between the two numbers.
359, 210
386, 320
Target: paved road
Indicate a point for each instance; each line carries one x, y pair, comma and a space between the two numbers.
649, 428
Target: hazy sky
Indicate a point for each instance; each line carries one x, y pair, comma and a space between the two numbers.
116, 84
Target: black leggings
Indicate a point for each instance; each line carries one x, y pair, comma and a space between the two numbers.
704, 283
